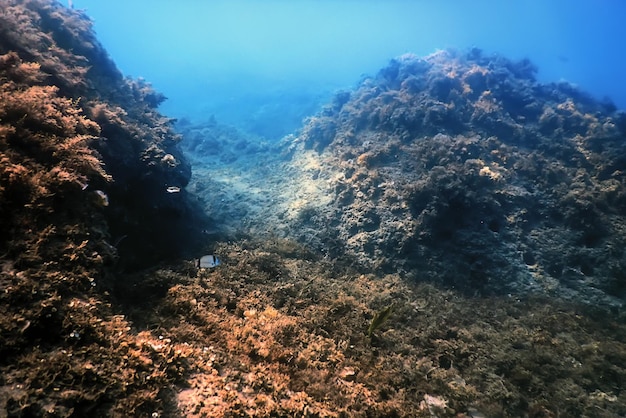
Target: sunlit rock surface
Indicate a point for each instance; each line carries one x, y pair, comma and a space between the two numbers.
463, 170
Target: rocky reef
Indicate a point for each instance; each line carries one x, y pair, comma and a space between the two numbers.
483, 209
462, 169
69, 116
85, 165
445, 240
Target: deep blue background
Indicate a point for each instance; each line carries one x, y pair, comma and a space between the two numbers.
232, 58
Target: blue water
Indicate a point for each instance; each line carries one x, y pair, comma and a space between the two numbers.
243, 61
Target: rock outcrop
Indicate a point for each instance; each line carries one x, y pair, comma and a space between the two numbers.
73, 128
462, 169
85, 165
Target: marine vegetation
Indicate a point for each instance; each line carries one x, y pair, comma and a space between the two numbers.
481, 231
81, 164
483, 209
462, 168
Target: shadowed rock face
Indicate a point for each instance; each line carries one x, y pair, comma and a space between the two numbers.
461, 168
71, 125
85, 163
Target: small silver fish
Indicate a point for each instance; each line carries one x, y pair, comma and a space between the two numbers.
103, 199
208, 262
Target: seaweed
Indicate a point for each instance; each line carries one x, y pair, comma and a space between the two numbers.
59, 328
468, 154
453, 180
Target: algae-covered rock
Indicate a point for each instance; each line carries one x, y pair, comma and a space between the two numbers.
85, 163
455, 169
463, 169
69, 114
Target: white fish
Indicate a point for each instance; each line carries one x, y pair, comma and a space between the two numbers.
173, 189
208, 262
102, 198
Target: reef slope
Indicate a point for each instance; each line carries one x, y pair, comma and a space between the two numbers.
462, 169
457, 168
